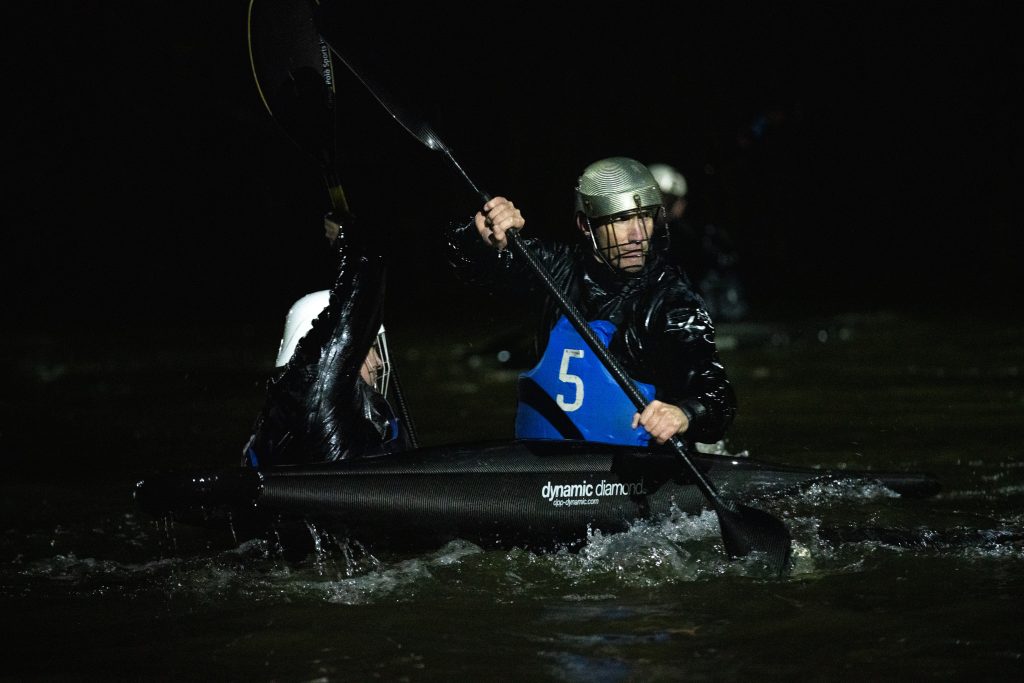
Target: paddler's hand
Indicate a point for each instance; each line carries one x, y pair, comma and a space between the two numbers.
497, 216
662, 420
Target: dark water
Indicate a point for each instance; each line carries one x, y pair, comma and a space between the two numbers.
882, 587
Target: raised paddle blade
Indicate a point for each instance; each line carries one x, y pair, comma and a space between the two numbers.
294, 75
746, 530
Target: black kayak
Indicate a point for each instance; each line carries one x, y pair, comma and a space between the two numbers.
497, 494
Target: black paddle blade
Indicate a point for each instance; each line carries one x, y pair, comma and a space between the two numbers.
746, 530
294, 73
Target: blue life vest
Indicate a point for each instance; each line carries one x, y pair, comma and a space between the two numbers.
570, 394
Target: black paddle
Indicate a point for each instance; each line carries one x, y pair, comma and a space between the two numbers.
744, 529
294, 75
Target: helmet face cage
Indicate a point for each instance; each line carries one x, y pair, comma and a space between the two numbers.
380, 372
614, 246
653, 229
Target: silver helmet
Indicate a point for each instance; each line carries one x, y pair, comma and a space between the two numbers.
299, 321
610, 191
669, 180
616, 185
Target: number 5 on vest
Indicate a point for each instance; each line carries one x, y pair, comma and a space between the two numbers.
565, 376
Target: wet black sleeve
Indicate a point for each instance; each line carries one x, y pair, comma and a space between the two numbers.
686, 366
477, 264
315, 408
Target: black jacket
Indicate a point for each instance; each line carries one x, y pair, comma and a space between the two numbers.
317, 408
665, 336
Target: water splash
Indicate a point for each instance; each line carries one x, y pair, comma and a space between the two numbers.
676, 548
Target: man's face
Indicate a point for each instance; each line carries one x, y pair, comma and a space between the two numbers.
624, 240
371, 367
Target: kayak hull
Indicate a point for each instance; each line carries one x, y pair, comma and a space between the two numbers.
536, 494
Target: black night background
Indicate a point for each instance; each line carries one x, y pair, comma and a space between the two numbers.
863, 156
158, 223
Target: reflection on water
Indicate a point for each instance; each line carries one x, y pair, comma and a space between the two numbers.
879, 583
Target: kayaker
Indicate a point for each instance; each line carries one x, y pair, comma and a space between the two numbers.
642, 306
326, 400
706, 253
